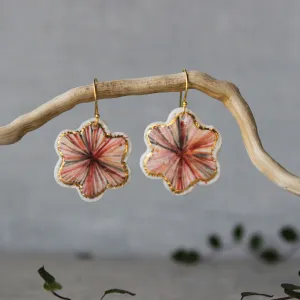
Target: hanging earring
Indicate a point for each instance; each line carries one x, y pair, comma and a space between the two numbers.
182, 151
91, 159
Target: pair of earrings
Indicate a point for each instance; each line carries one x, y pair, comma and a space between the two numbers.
182, 151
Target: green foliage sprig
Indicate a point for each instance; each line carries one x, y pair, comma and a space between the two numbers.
291, 290
52, 286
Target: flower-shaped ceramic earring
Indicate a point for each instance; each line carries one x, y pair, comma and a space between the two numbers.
91, 159
183, 151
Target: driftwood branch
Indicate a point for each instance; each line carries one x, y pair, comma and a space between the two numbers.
223, 91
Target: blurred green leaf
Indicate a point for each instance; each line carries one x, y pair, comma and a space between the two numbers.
192, 257
255, 242
54, 286
289, 286
270, 255
45, 275
247, 294
215, 242
289, 234
116, 291
292, 293
185, 256
238, 232
84, 255
179, 255
50, 283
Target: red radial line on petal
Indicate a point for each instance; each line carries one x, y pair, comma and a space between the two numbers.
177, 179
160, 160
157, 138
111, 169
85, 139
70, 154
189, 165
171, 170
91, 136
187, 174
98, 153
114, 144
99, 140
101, 176
204, 141
76, 140
94, 137
173, 129
179, 129
200, 172
172, 147
195, 137
206, 167
118, 166
172, 174
93, 184
184, 133
186, 123
67, 147
113, 152
114, 178
70, 171
206, 161
88, 184
171, 136
180, 171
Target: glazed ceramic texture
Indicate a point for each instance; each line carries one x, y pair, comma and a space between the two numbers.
92, 160
182, 151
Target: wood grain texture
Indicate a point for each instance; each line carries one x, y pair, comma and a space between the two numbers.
224, 91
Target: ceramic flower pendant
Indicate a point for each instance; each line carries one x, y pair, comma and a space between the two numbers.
92, 159
182, 152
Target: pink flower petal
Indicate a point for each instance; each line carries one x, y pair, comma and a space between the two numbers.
110, 157
95, 183
112, 149
181, 129
164, 137
161, 161
203, 167
94, 137
92, 160
202, 140
116, 175
101, 176
74, 172
182, 153
72, 146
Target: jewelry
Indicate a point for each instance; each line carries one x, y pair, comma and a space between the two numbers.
91, 159
182, 151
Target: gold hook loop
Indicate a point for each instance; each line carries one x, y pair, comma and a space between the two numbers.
183, 103
97, 116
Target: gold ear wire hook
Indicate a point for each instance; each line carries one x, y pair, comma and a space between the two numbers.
97, 116
183, 103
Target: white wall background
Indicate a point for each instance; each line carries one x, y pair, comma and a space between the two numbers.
48, 47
